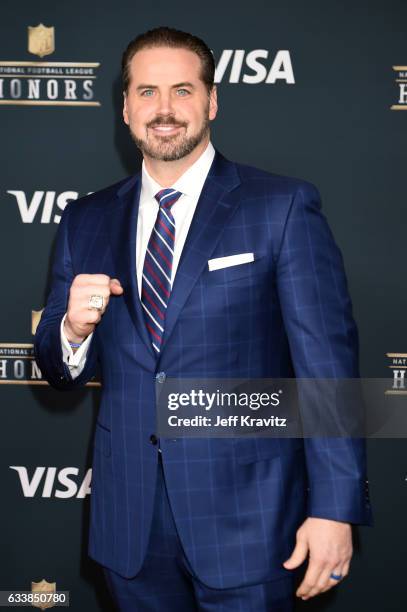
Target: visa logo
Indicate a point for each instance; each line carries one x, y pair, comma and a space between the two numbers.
254, 67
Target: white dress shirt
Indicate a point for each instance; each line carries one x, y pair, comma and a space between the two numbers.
190, 184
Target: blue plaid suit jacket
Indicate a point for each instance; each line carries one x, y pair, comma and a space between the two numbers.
237, 502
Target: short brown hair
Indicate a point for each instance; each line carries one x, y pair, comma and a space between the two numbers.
177, 39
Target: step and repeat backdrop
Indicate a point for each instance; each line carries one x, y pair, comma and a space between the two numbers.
316, 90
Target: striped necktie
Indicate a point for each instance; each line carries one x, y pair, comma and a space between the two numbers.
157, 269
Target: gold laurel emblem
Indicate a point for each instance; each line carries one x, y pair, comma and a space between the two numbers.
41, 40
43, 587
35, 319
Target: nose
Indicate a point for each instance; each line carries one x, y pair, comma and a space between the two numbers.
165, 106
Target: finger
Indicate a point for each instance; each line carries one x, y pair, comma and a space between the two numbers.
80, 311
97, 290
298, 555
325, 582
115, 286
336, 574
311, 578
91, 279
339, 570
86, 291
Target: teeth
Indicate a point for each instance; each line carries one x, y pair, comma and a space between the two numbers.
165, 128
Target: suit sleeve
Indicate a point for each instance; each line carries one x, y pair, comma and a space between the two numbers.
47, 342
323, 339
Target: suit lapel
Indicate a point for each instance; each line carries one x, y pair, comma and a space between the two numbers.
123, 232
215, 207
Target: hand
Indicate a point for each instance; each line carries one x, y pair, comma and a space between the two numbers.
329, 544
80, 321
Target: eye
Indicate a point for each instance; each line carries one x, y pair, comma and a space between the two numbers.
147, 93
182, 92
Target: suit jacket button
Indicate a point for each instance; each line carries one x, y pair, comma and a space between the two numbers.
153, 439
160, 377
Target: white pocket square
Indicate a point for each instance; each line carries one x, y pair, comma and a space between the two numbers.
230, 260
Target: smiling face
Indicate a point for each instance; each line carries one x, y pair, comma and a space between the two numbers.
167, 106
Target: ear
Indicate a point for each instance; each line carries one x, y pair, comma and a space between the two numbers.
213, 103
125, 110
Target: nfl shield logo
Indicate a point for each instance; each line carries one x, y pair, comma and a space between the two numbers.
35, 320
41, 40
43, 587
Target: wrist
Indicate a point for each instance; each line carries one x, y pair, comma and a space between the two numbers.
74, 340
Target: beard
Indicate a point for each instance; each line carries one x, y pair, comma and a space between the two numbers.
170, 148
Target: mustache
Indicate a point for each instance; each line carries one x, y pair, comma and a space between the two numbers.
169, 120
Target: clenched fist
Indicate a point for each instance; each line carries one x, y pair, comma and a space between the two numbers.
80, 321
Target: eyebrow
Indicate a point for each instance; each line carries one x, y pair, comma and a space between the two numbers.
176, 86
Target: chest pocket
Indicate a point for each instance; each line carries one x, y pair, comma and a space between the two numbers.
238, 271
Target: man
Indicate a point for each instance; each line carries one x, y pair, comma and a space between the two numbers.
220, 524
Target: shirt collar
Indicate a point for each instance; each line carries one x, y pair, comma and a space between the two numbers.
189, 183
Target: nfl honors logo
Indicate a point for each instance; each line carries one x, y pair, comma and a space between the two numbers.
397, 362
45, 83
400, 78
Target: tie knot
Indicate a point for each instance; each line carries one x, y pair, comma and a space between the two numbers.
167, 197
